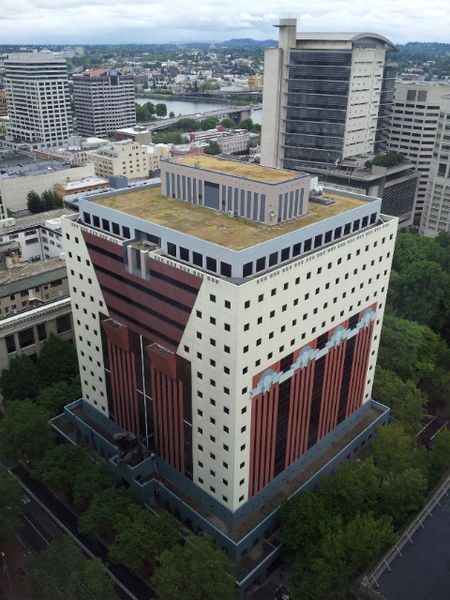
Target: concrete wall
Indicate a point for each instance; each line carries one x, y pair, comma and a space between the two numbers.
14, 190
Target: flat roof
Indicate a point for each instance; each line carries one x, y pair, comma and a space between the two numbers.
34, 220
29, 275
238, 168
214, 226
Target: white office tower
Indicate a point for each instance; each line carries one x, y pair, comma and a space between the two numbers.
327, 96
414, 126
436, 209
37, 96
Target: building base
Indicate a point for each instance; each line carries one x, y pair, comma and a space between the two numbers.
250, 536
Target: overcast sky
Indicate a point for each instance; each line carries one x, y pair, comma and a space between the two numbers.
155, 21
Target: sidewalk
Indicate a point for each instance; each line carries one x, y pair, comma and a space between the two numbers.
14, 583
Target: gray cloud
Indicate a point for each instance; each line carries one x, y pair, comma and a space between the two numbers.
113, 21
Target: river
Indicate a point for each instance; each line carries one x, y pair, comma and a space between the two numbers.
188, 107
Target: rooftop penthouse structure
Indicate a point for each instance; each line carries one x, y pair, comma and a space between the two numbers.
233, 324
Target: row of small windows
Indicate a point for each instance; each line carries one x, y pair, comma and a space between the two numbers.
223, 268
112, 227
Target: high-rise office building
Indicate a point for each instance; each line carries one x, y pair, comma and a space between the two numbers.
436, 209
104, 102
327, 97
37, 96
233, 324
414, 127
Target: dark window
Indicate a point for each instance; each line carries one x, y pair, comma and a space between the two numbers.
197, 259
171, 249
285, 254
26, 337
96, 221
260, 264
42, 334
184, 253
105, 224
63, 324
126, 232
247, 269
87, 218
317, 241
328, 237
273, 259
225, 269
115, 228
10, 344
211, 264
337, 233
296, 249
307, 246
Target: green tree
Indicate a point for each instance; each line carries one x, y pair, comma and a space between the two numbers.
171, 115
210, 123
60, 465
188, 124
403, 493
11, 506
440, 455
436, 386
302, 519
61, 571
343, 552
142, 537
161, 110
21, 380
228, 123
354, 487
141, 113
89, 482
407, 402
34, 202
197, 570
409, 349
57, 361
106, 511
419, 290
26, 433
246, 124
55, 397
392, 449
51, 200
213, 148
410, 248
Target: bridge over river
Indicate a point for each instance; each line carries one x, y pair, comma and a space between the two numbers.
233, 112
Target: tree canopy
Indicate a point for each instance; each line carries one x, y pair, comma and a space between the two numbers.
197, 570
26, 433
61, 571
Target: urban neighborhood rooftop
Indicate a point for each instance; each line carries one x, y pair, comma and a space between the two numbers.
214, 226
240, 169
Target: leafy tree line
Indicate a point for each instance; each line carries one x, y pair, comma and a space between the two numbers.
48, 200
413, 371
149, 111
174, 135
332, 535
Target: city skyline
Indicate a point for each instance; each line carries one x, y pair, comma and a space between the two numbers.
111, 21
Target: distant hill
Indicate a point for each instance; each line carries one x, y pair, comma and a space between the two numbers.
247, 42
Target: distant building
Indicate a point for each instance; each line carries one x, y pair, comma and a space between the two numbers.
436, 209
34, 293
138, 134
128, 158
230, 141
16, 181
87, 184
37, 96
414, 127
32, 238
327, 97
104, 102
396, 185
